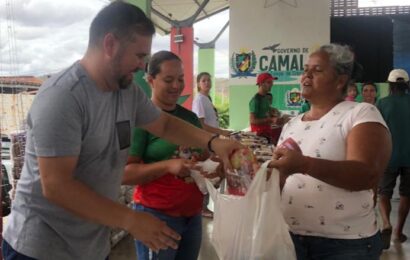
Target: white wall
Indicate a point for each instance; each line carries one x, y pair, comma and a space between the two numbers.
259, 23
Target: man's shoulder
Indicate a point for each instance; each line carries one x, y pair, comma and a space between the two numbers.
65, 80
386, 101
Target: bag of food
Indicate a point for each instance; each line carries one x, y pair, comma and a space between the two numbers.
251, 227
244, 166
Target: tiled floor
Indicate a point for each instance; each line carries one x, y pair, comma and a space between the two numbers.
125, 249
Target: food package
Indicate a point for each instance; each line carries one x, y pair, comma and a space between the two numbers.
249, 139
17, 152
290, 144
244, 166
188, 153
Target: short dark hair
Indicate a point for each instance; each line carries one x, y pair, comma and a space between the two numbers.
371, 84
352, 84
398, 87
154, 65
199, 76
122, 19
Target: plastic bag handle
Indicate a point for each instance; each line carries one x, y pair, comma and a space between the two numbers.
211, 189
258, 184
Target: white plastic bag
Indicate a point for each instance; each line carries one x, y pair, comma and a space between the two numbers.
200, 181
208, 166
251, 227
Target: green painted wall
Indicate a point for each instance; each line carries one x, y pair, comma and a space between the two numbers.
139, 80
239, 97
145, 5
206, 62
384, 89
279, 97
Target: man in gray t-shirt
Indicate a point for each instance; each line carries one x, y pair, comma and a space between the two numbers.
79, 131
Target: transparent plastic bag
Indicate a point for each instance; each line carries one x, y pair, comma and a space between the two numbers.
251, 227
245, 166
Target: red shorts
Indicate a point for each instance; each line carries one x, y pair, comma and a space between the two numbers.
267, 131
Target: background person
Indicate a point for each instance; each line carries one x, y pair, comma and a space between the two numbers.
274, 113
369, 93
208, 116
260, 109
79, 130
327, 198
202, 106
395, 109
351, 92
161, 173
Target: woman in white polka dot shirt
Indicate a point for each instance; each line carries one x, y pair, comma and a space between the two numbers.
327, 197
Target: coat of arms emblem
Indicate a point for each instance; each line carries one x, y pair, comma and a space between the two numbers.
243, 64
294, 98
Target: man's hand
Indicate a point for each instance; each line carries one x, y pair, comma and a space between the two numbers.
152, 232
179, 167
224, 148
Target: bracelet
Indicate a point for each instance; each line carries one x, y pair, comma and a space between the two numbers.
209, 145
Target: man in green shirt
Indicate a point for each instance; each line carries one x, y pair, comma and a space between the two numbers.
395, 110
260, 108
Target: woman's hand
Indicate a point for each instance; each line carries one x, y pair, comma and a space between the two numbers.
219, 172
179, 167
289, 161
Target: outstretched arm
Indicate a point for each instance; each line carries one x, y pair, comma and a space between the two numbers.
180, 132
212, 129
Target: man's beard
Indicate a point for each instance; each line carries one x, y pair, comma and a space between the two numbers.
124, 82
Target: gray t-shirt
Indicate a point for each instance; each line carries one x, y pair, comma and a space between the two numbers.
71, 116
